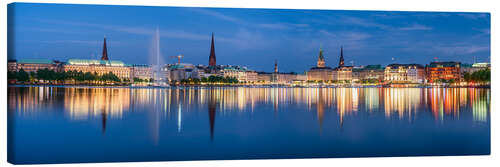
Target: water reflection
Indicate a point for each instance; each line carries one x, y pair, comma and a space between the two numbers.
211, 113
112, 103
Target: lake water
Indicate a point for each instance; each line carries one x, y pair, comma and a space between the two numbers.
83, 124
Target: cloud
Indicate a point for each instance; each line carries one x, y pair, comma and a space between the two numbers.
246, 39
484, 31
218, 15
454, 50
473, 16
363, 22
345, 35
328, 33
222, 16
135, 30
282, 26
355, 36
415, 27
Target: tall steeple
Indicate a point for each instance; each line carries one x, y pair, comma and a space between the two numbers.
211, 59
341, 61
321, 58
275, 66
104, 51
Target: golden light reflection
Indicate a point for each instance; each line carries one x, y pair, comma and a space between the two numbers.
80, 103
403, 103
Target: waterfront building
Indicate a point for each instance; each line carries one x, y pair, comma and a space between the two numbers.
372, 72
342, 72
234, 72
285, 78
11, 65
356, 73
252, 76
142, 71
181, 71
242, 74
471, 68
199, 72
100, 67
301, 77
321, 72
437, 71
404, 73
33, 65
264, 77
482, 65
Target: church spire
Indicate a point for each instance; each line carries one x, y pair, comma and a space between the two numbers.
321, 58
211, 59
275, 66
104, 51
341, 61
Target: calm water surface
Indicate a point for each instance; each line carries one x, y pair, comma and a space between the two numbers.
81, 124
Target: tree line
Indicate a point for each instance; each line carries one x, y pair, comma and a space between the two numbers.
481, 76
210, 80
52, 76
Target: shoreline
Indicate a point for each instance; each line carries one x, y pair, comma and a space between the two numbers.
247, 86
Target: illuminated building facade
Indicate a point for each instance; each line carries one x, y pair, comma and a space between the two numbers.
33, 65
372, 72
11, 65
100, 67
471, 68
283, 78
404, 73
241, 73
264, 77
342, 72
437, 71
252, 76
321, 72
142, 71
181, 71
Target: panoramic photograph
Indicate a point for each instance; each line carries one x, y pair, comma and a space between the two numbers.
109, 83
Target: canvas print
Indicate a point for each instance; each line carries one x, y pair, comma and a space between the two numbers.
105, 83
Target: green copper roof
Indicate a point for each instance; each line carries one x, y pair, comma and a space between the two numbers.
95, 62
35, 61
182, 66
481, 65
445, 64
374, 67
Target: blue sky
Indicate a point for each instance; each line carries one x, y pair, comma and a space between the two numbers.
249, 37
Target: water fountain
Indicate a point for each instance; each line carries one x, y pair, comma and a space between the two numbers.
159, 75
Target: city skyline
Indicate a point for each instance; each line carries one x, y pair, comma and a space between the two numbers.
250, 37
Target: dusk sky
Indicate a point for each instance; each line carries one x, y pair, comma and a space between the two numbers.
248, 37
